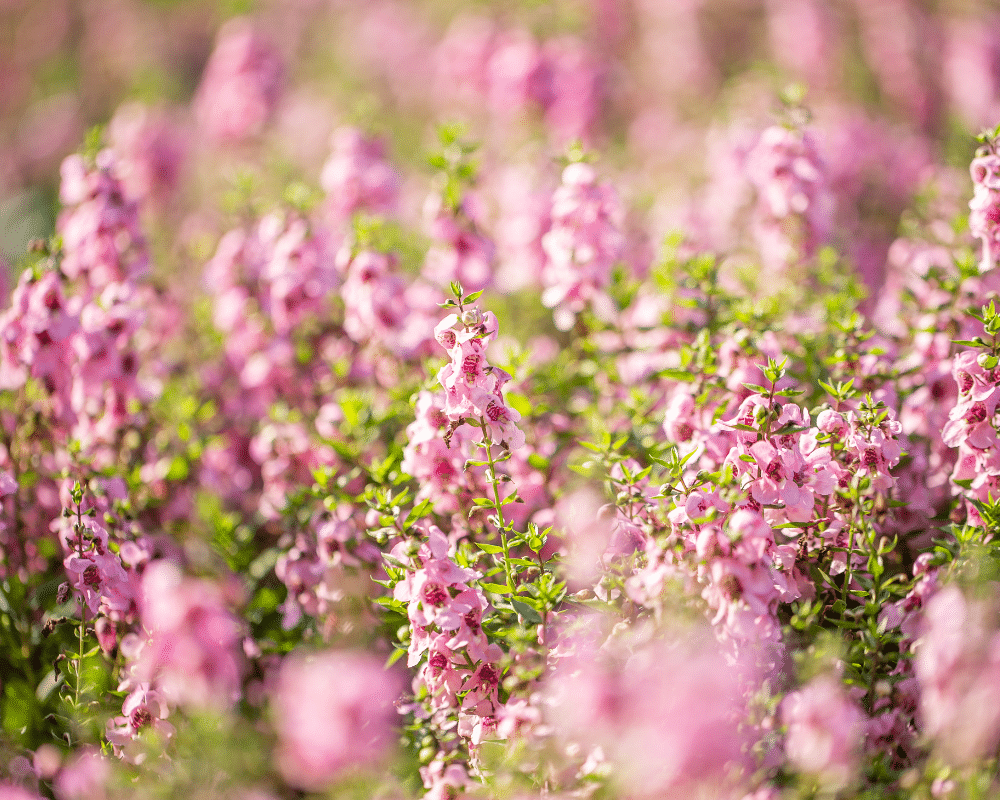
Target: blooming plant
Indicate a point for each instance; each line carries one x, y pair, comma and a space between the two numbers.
548, 466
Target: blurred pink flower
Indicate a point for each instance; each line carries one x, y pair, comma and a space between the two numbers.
334, 712
84, 776
958, 670
194, 652
826, 730
241, 85
667, 714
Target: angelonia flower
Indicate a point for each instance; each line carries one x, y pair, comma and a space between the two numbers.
151, 149
972, 430
144, 709
666, 711
984, 208
825, 731
329, 561
582, 245
357, 177
958, 670
794, 204
241, 85
459, 670
461, 251
438, 466
104, 584
84, 776
193, 653
335, 713
10, 792
102, 235
382, 308
473, 387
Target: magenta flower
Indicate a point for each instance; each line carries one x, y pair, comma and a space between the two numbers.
357, 177
144, 709
582, 246
666, 715
473, 387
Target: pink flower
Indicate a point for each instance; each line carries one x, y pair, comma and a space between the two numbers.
151, 148
357, 177
84, 776
794, 203
667, 715
241, 85
582, 246
8, 792
194, 653
334, 712
984, 216
958, 670
825, 731
473, 387
143, 708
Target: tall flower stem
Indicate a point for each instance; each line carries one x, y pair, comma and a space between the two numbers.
497, 506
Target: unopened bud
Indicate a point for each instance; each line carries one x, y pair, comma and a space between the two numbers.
471, 317
986, 360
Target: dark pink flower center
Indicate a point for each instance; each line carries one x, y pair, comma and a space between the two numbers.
438, 662
774, 471
965, 381
140, 718
435, 594
443, 469
489, 676
472, 622
684, 431
92, 576
870, 459
471, 364
495, 412
976, 414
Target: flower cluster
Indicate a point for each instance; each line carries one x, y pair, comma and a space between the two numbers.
582, 245
474, 387
984, 207
459, 670
715, 517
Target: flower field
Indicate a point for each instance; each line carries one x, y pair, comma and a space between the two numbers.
429, 399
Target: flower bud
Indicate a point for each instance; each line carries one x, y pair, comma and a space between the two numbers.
987, 360
471, 317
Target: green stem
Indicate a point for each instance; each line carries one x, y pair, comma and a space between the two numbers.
850, 553
81, 629
501, 525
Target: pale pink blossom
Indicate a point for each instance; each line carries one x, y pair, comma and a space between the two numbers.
825, 731
334, 713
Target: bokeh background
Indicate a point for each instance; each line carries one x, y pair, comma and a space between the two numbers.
669, 93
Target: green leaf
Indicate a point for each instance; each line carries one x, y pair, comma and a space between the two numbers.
497, 588
536, 461
397, 654
531, 616
489, 548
